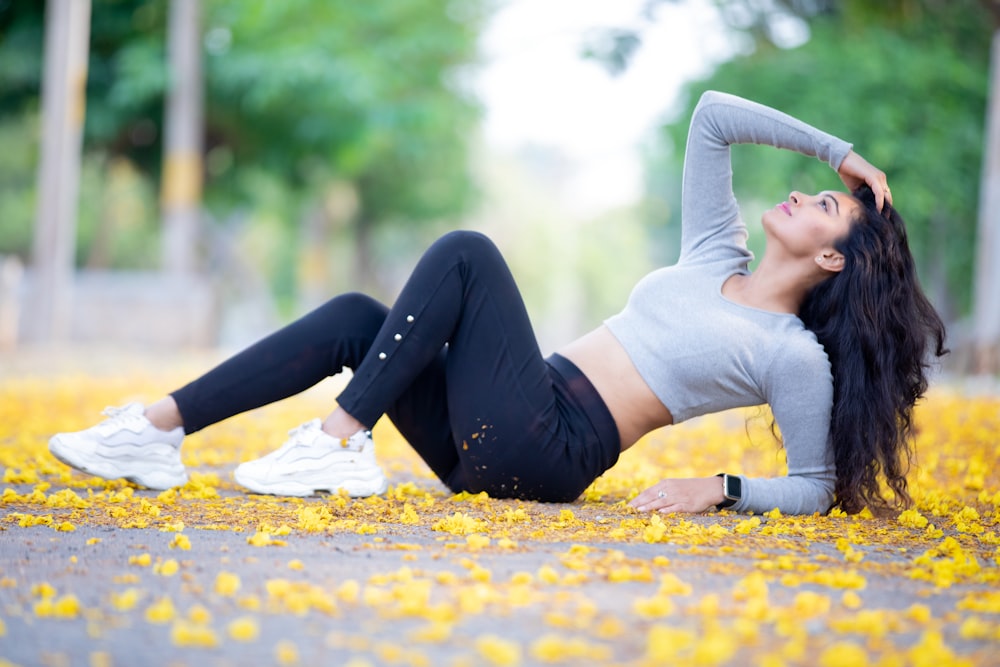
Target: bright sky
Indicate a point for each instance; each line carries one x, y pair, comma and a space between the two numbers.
537, 89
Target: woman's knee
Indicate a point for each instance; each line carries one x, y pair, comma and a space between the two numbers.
464, 243
357, 305
352, 311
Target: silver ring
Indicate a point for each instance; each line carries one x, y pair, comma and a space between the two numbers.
661, 494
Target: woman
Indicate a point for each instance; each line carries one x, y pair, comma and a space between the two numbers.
454, 363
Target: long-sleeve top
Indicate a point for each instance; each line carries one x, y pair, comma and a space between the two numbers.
700, 352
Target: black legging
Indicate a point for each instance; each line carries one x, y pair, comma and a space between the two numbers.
456, 367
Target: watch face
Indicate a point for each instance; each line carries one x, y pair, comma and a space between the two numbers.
734, 487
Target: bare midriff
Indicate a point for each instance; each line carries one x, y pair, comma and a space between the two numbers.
633, 405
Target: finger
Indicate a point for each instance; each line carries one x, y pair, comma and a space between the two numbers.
639, 502
884, 196
642, 499
879, 191
673, 507
666, 503
649, 500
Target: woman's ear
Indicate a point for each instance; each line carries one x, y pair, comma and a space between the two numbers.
830, 260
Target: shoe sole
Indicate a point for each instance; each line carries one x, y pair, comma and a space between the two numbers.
358, 486
166, 477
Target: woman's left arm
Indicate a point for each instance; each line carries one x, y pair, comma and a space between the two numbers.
798, 386
800, 393
802, 491
794, 494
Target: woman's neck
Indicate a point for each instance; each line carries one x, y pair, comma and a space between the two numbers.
780, 287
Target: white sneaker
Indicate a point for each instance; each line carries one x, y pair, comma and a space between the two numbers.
125, 445
312, 461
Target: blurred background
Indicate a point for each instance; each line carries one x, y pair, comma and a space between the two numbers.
181, 174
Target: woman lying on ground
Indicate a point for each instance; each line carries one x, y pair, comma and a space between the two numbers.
831, 330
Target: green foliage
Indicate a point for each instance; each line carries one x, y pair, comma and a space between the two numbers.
909, 95
18, 168
117, 205
21, 35
357, 90
117, 215
126, 80
298, 93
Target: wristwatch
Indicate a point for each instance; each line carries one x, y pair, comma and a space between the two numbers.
732, 489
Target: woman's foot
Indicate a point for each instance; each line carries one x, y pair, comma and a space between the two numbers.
312, 461
126, 445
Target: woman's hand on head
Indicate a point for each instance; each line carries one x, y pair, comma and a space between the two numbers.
855, 170
680, 495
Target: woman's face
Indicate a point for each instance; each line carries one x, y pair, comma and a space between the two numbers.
809, 225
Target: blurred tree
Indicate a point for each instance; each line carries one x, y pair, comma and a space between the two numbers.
67, 39
905, 80
183, 139
304, 94
117, 128
986, 290
364, 93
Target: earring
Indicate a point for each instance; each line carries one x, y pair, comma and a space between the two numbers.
819, 258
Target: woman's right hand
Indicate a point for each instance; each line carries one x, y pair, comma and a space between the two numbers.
855, 170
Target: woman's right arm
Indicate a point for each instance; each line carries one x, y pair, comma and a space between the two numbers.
709, 212
855, 171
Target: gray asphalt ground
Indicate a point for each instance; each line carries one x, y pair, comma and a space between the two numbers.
410, 577
377, 632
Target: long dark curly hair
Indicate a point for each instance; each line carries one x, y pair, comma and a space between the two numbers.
877, 327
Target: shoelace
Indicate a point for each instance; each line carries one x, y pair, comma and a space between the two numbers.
303, 429
304, 435
297, 436
118, 415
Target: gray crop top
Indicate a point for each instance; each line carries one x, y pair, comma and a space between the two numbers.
700, 352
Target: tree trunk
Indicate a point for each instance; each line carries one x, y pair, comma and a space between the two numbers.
182, 162
986, 289
64, 99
